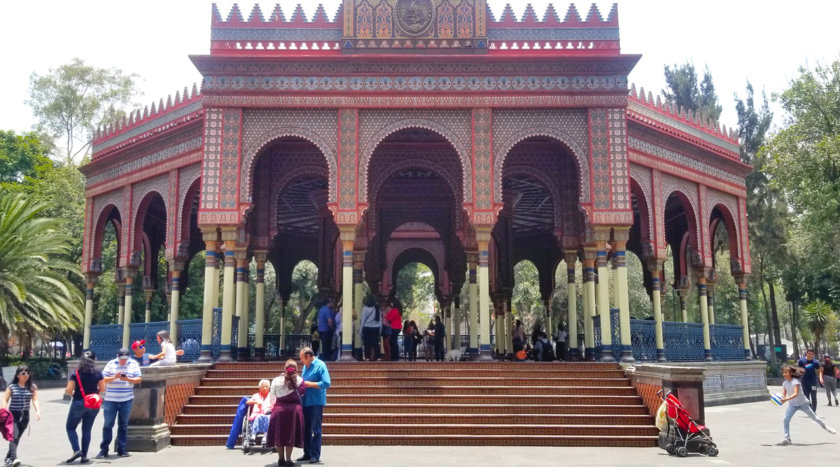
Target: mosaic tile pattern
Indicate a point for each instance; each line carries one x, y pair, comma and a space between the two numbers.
141, 195
642, 176
348, 144
229, 183
670, 185
600, 158
176, 397
566, 125
376, 125
261, 127
483, 158
617, 121
211, 168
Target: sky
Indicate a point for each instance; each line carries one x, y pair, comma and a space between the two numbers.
764, 42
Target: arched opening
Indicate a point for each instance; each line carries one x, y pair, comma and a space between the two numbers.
151, 273
680, 235
106, 294
415, 189
724, 290
639, 244
191, 249
526, 300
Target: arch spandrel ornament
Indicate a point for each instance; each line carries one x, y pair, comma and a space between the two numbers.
687, 192
728, 207
262, 127
567, 126
376, 125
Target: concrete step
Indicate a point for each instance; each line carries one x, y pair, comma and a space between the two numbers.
445, 429
437, 366
446, 399
373, 418
460, 380
425, 409
514, 373
388, 389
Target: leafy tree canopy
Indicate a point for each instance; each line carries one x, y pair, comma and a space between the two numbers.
71, 101
684, 90
22, 156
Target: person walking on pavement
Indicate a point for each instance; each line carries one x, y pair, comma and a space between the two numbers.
120, 375
813, 375
829, 374
316, 380
87, 380
791, 393
19, 395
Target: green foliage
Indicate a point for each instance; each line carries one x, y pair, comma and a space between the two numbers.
526, 301
71, 101
818, 315
35, 292
416, 291
304, 294
22, 157
685, 91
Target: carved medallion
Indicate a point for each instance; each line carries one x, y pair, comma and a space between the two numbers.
414, 17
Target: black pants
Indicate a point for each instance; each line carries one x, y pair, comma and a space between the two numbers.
395, 345
21, 422
439, 354
326, 345
810, 392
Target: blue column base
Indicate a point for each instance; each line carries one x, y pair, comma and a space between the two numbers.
472, 352
259, 354
485, 354
707, 355
590, 354
346, 353
660, 355
224, 354
747, 354
206, 355
627, 354
243, 354
607, 355
574, 355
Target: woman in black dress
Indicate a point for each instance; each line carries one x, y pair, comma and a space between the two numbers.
92, 383
285, 428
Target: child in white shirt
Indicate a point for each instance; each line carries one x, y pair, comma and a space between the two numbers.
792, 392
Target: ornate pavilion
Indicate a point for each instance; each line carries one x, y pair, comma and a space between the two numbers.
424, 131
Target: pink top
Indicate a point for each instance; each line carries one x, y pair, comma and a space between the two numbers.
394, 317
263, 405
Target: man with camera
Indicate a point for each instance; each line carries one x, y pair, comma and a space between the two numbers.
120, 375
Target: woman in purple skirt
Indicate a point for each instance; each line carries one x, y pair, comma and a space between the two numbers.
285, 430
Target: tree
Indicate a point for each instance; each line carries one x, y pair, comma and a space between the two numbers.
35, 292
71, 101
817, 315
526, 300
416, 290
304, 292
22, 156
685, 91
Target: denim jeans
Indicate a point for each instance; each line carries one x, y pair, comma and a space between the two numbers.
804, 408
112, 410
312, 416
21, 421
326, 345
78, 413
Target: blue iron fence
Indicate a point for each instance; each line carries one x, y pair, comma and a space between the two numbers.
643, 339
683, 341
616, 334
727, 341
189, 338
105, 340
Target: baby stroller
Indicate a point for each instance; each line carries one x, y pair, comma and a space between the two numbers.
683, 434
252, 441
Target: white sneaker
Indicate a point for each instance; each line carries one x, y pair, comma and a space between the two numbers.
784, 442
830, 430
15, 462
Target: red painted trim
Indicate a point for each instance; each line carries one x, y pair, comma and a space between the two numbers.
673, 132
589, 160
356, 151
653, 162
472, 146
183, 160
127, 147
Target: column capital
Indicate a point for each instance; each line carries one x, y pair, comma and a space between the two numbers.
741, 279
91, 279
229, 233
483, 235
261, 256
472, 259
571, 257
347, 233
621, 234
210, 233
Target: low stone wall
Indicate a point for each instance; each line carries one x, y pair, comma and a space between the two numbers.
158, 399
700, 384
733, 382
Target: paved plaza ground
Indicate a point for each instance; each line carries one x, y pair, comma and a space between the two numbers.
746, 435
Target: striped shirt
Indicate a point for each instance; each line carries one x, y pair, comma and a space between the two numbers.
21, 398
117, 390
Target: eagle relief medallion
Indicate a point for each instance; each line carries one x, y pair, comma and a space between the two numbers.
414, 17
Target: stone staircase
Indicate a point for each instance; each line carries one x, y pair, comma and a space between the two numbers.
457, 404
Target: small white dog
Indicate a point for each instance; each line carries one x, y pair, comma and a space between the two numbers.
453, 355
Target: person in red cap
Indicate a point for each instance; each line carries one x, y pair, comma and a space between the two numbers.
139, 349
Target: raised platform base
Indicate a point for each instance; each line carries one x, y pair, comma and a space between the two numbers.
148, 438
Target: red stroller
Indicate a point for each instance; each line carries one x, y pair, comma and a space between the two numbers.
684, 435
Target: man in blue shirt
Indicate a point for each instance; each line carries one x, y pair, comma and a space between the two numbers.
809, 378
316, 380
326, 328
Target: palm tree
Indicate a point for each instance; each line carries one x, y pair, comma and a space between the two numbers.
817, 316
36, 293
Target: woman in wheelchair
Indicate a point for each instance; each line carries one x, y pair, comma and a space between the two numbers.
261, 404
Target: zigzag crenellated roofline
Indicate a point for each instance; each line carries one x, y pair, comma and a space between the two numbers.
529, 18
670, 110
